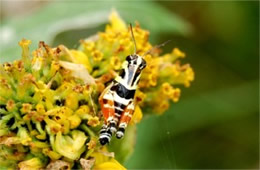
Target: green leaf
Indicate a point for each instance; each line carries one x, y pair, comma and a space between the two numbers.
46, 24
217, 106
123, 148
155, 140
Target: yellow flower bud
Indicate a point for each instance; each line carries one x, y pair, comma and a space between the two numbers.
25, 51
115, 62
97, 55
83, 112
88, 46
189, 76
10, 105
93, 121
178, 53
40, 108
166, 89
92, 144
72, 101
139, 96
152, 79
26, 108
25, 43
117, 24
74, 121
175, 94
54, 126
162, 106
66, 111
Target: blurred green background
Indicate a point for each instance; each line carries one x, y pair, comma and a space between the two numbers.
216, 122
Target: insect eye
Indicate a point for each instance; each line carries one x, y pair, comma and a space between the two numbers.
128, 58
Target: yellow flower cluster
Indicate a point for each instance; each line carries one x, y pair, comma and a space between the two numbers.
159, 77
50, 116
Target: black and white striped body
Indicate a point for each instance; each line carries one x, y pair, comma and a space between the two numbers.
117, 100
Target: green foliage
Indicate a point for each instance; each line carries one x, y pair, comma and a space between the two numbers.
124, 148
79, 18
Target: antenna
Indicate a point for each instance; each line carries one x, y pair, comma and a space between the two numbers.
157, 46
133, 37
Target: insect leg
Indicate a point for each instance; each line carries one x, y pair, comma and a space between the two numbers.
125, 119
111, 117
107, 109
105, 135
119, 109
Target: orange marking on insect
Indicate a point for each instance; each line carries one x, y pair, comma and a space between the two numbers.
107, 111
126, 116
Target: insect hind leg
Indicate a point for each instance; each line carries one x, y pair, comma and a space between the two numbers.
105, 135
124, 120
112, 125
120, 132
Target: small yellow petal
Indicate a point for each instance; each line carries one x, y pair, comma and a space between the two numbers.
26, 108
10, 105
115, 62
137, 116
25, 43
175, 94
153, 79
166, 89
139, 97
92, 144
74, 121
109, 165
97, 55
93, 121
162, 106
79, 57
40, 108
25, 50
178, 53
72, 101
117, 24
